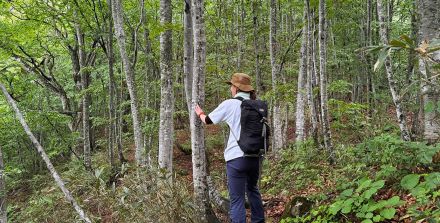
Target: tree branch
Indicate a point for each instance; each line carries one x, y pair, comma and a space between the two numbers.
283, 58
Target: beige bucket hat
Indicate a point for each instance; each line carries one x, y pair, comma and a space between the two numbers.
242, 81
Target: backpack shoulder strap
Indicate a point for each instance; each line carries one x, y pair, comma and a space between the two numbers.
239, 98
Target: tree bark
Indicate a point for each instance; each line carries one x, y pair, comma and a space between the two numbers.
412, 54
429, 30
274, 48
148, 77
369, 42
216, 198
201, 191
118, 117
258, 76
111, 91
167, 97
389, 71
310, 76
241, 35
315, 69
117, 13
300, 96
44, 156
188, 53
85, 96
3, 209
323, 81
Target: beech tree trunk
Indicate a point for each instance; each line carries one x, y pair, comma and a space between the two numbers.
429, 30
117, 13
300, 96
316, 82
258, 77
188, 53
111, 91
323, 81
85, 96
199, 162
44, 156
119, 128
274, 48
3, 209
369, 42
383, 32
311, 75
166, 89
147, 85
241, 35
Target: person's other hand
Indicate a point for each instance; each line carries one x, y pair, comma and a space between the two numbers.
198, 110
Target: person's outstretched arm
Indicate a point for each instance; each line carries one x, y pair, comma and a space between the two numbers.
205, 119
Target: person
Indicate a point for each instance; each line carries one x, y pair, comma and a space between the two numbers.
242, 171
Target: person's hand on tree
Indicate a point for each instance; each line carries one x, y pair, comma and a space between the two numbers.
198, 110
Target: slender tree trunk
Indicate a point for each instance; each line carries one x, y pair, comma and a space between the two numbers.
411, 53
274, 48
73, 51
315, 69
118, 121
323, 81
412, 75
389, 70
241, 35
111, 91
3, 209
201, 191
310, 76
429, 30
85, 98
301, 92
167, 97
258, 76
369, 42
117, 13
44, 156
149, 71
188, 53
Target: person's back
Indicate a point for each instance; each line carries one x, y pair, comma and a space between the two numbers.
242, 171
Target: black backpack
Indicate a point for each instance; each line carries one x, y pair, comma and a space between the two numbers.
254, 134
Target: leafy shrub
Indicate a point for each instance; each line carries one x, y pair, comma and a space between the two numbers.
424, 187
340, 86
360, 202
355, 203
300, 164
349, 118
390, 149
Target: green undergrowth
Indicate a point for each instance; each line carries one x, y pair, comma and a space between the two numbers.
137, 195
382, 179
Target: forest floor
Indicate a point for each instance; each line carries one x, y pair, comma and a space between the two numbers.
40, 188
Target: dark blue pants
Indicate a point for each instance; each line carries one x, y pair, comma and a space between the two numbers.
243, 173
